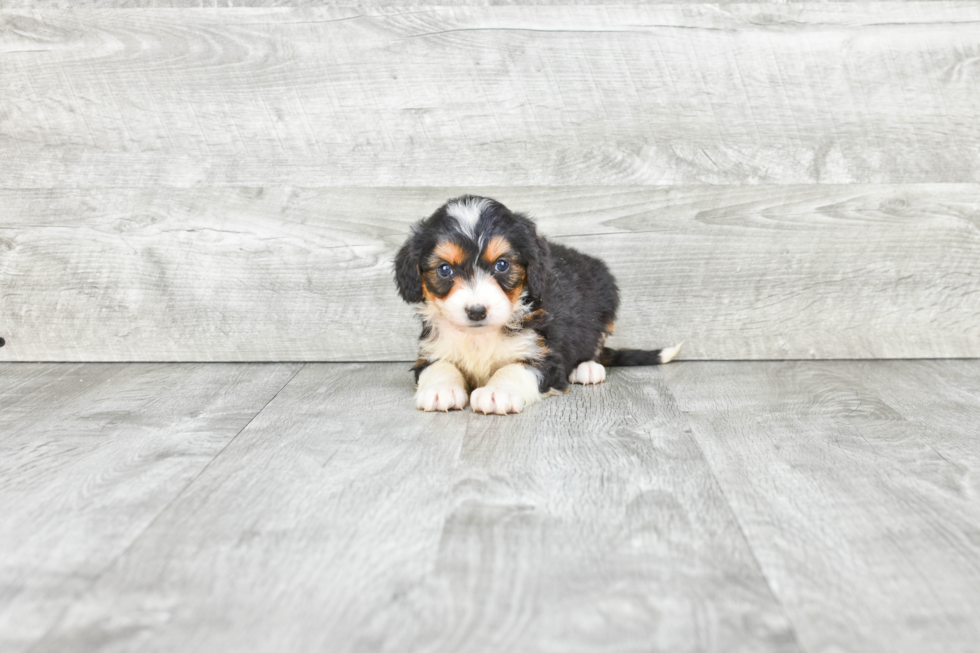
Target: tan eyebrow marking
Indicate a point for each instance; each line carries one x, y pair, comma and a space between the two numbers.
450, 252
497, 247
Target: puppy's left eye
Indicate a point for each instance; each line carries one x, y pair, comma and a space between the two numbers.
501, 266
444, 270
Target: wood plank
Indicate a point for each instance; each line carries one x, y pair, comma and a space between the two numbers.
590, 522
949, 408
89, 457
465, 96
286, 273
400, 4
854, 483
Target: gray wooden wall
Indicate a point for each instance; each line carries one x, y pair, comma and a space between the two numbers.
766, 180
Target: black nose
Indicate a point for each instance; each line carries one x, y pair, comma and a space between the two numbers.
476, 313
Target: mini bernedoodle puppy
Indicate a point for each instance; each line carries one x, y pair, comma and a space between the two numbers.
507, 317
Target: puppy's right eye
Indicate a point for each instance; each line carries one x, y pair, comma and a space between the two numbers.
445, 270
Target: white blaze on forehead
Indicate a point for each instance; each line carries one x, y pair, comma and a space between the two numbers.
467, 213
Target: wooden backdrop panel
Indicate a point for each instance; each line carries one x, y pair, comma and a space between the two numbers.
231, 184
506, 96
306, 274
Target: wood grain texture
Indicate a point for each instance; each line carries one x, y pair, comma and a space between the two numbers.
806, 271
226, 4
507, 96
856, 485
90, 455
590, 522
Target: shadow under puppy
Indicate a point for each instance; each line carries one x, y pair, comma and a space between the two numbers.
506, 315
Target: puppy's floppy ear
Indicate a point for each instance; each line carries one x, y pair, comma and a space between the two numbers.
538, 267
407, 275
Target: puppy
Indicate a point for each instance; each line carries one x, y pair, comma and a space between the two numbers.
507, 317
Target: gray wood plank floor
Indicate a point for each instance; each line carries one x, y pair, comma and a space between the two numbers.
90, 455
753, 506
856, 487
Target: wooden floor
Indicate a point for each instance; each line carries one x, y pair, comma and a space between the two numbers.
765, 506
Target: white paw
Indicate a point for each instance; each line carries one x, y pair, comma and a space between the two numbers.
441, 397
588, 373
501, 401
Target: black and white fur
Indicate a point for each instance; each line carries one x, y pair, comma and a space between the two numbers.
508, 318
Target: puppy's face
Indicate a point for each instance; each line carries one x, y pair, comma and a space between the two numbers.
470, 262
474, 285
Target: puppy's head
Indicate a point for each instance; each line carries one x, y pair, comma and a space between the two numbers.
474, 262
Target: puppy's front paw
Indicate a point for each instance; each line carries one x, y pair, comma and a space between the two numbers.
441, 397
588, 373
500, 401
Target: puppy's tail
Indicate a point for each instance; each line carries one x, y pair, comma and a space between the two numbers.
628, 357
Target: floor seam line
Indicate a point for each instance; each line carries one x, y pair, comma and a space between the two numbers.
738, 524
57, 621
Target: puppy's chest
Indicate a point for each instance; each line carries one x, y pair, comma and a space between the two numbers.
478, 356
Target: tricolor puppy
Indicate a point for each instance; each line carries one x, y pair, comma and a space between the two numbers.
507, 317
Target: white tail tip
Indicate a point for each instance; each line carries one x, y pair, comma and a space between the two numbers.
667, 355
